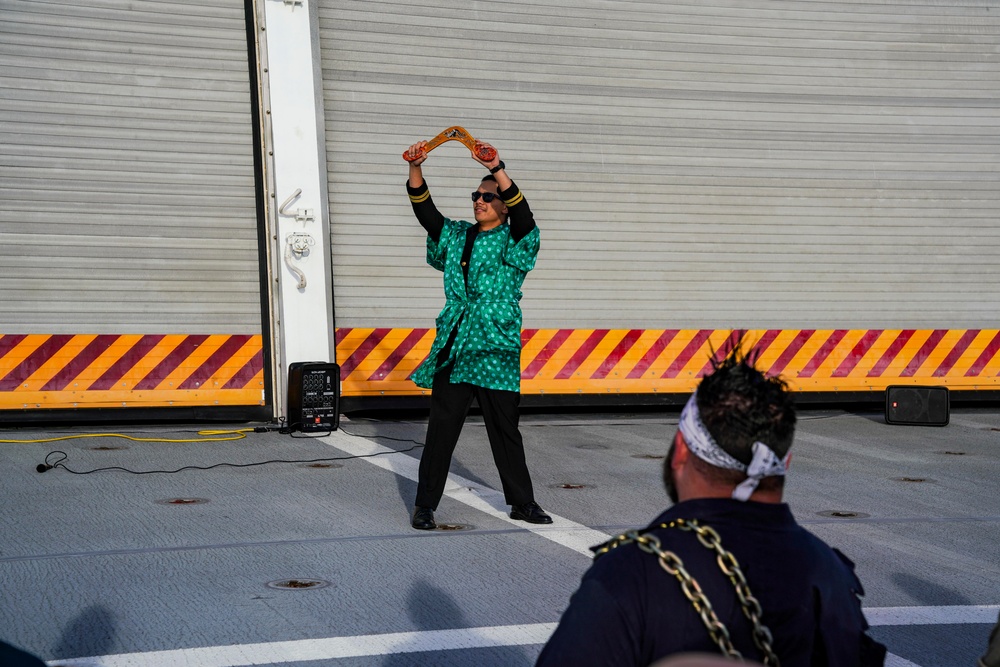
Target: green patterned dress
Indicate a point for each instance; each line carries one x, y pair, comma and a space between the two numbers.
487, 347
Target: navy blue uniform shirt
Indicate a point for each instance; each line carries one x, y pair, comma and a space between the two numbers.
629, 611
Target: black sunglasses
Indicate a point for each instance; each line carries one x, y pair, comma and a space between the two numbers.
487, 196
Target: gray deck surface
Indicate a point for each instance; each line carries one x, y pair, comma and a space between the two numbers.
97, 570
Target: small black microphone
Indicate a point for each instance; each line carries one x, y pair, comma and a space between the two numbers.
42, 467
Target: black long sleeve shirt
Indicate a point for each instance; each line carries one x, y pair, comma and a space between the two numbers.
520, 217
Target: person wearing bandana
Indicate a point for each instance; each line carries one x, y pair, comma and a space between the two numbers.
477, 346
724, 472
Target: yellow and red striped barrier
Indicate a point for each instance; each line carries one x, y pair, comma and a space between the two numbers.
636, 361
133, 370
129, 370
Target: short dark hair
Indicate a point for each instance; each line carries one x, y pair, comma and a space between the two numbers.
740, 405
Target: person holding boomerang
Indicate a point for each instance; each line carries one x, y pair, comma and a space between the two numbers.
477, 347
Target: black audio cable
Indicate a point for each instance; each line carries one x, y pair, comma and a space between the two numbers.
57, 458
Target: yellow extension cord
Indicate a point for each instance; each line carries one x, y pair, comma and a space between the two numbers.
237, 434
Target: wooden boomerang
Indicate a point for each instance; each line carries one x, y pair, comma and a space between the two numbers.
456, 133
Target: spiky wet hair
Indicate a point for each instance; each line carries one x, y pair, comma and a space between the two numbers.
740, 405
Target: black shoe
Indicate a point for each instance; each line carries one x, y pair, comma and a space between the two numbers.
529, 512
423, 518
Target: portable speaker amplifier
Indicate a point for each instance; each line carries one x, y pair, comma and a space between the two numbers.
917, 406
313, 396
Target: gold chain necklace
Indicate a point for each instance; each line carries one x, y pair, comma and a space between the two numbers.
673, 565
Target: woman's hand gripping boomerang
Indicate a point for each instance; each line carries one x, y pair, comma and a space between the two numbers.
456, 133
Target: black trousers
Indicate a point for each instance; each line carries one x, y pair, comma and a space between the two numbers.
450, 405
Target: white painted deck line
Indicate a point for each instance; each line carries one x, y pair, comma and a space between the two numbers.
956, 615
562, 531
333, 648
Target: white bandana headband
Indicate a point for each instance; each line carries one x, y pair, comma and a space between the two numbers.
765, 462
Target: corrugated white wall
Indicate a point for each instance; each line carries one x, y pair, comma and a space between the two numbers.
127, 201
721, 163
